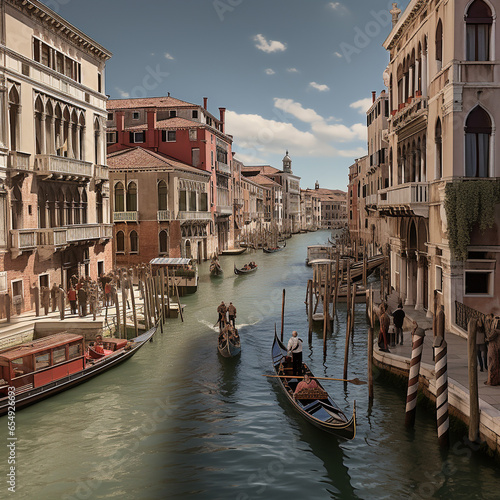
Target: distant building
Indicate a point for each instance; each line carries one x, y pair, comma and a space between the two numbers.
310, 208
54, 189
333, 207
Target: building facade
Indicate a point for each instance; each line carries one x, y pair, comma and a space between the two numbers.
310, 210
54, 196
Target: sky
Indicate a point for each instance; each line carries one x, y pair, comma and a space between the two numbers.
294, 75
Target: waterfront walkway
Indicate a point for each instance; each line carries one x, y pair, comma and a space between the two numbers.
458, 381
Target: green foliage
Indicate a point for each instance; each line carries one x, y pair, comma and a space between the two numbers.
468, 203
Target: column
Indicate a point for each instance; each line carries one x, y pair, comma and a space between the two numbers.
4, 109
409, 281
78, 155
43, 134
417, 70
419, 306
70, 140
402, 277
51, 150
410, 83
61, 137
83, 144
424, 73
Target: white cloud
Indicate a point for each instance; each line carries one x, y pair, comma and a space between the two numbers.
338, 54
362, 105
169, 56
319, 86
339, 132
292, 70
249, 159
122, 93
270, 71
268, 46
338, 7
295, 109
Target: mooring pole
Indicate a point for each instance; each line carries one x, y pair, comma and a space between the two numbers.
282, 314
473, 389
370, 365
441, 370
416, 358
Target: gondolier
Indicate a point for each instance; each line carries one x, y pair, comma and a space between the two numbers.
231, 310
222, 310
295, 349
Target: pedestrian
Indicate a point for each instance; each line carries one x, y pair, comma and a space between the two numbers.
72, 299
231, 310
384, 329
107, 293
482, 356
45, 291
392, 333
492, 330
295, 350
399, 317
82, 301
53, 297
222, 310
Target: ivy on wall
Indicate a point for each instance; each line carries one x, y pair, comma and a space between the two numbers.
468, 203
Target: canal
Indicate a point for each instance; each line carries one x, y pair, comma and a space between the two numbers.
178, 421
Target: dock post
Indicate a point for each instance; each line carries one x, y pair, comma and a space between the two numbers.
124, 302
441, 370
117, 306
36, 294
162, 287
132, 298
473, 389
282, 314
168, 294
7, 307
310, 309
353, 304
346, 351
370, 365
61, 303
364, 268
325, 312
179, 303
416, 357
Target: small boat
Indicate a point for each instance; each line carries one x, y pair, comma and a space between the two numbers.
315, 405
275, 249
215, 269
234, 251
229, 345
46, 366
250, 270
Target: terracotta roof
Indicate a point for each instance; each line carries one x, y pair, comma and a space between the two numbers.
263, 180
263, 169
134, 158
149, 102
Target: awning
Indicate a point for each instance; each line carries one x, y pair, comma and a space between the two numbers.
170, 261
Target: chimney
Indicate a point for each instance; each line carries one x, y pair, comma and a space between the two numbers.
222, 112
120, 126
205, 102
374, 96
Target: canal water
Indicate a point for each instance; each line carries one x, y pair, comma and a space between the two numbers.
178, 421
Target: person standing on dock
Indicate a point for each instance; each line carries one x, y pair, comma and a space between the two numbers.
295, 349
82, 301
384, 328
231, 311
53, 297
399, 317
482, 356
45, 290
72, 299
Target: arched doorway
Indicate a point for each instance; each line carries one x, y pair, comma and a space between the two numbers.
200, 251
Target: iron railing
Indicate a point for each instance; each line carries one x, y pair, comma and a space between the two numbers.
463, 314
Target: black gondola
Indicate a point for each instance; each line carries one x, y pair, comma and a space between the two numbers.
235, 251
273, 250
315, 405
215, 269
245, 271
229, 346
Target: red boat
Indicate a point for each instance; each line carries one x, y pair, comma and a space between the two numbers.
46, 366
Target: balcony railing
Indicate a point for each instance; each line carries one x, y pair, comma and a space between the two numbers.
409, 111
163, 215
186, 215
224, 168
125, 216
224, 209
371, 199
20, 161
406, 199
23, 239
106, 231
101, 172
59, 165
83, 232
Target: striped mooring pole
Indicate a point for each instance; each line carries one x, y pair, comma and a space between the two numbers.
441, 369
416, 357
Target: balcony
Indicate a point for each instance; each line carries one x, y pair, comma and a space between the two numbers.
23, 239
59, 167
224, 209
223, 168
405, 200
20, 161
191, 215
83, 232
101, 173
163, 216
371, 199
125, 216
416, 108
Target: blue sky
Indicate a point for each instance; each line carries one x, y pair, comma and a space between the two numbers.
293, 74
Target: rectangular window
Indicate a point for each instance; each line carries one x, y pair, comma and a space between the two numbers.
192, 134
59, 355
171, 136
478, 283
99, 82
42, 360
110, 116
110, 137
182, 201
173, 113
36, 49
192, 201
74, 351
203, 202
439, 278
195, 157
194, 113
136, 115
138, 137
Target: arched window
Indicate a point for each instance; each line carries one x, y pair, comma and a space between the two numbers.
477, 143
163, 242
119, 197
134, 242
162, 196
439, 149
478, 20
120, 241
132, 197
439, 45
98, 203
84, 207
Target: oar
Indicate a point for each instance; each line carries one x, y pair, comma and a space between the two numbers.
354, 381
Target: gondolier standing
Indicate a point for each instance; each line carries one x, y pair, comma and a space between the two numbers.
295, 349
222, 310
231, 310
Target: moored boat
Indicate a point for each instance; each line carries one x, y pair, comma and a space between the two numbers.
215, 268
275, 249
229, 342
49, 365
234, 251
249, 269
315, 405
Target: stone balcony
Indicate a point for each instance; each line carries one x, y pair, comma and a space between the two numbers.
101, 173
223, 168
164, 216
407, 199
20, 162
413, 109
125, 216
224, 210
62, 168
194, 215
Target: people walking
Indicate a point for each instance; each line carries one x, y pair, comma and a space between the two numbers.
295, 350
399, 317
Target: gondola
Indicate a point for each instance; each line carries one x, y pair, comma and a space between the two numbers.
49, 365
273, 250
215, 269
245, 271
235, 251
315, 405
229, 347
